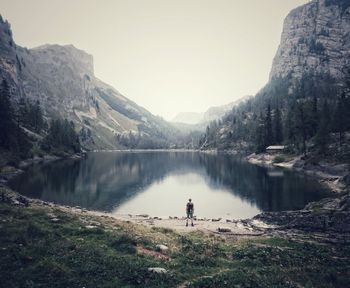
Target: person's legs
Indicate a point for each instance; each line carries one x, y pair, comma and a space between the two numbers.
192, 218
188, 215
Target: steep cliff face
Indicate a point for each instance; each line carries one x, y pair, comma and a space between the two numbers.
307, 99
62, 79
315, 40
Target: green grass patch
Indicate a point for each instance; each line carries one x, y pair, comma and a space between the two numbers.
37, 252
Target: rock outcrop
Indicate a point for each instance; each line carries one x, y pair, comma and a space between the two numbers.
316, 40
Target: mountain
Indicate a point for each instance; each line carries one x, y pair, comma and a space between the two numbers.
306, 103
211, 114
315, 39
217, 112
191, 118
62, 79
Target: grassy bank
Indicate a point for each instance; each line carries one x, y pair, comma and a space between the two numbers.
42, 246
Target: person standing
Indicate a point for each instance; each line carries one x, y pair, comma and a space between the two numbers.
189, 211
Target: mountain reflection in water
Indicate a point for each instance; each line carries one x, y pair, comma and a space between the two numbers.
159, 184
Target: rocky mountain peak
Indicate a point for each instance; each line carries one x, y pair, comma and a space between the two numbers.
66, 55
316, 40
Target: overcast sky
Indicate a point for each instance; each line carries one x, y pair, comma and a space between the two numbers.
168, 56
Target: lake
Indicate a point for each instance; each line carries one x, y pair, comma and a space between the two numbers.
160, 183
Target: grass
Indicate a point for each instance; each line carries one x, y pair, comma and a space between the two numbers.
36, 252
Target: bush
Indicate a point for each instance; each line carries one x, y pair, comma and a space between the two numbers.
279, 159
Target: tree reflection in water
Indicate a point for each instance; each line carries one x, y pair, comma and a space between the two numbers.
105, 179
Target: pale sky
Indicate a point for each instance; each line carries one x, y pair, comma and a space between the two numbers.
168, 56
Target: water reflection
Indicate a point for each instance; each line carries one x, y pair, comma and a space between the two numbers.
159, 183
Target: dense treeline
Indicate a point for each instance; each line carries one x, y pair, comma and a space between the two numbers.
61, 137
137, 140
14, 143
311, 113
30, 116
24, 131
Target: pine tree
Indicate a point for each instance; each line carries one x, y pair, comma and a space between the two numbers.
260, 135
314, 116
278, 126
23, 112
322, 136
301, 126
290, 125
268, 127
339, 118
38, 120
7, 124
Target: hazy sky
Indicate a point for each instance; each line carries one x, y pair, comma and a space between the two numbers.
168, 56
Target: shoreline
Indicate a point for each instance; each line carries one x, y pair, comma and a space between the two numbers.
265, 223
326, 221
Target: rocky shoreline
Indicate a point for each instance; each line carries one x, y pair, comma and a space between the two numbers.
332, 175
9, 172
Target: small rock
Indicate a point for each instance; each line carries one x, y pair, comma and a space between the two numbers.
158, 270
228, 221
216, 220
90, 226
15, 202
224, 230
55, 220
162, 247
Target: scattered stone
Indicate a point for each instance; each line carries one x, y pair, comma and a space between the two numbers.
16, 202
162, 248
157, 270
143, 215
224, 230
90, 226
228, 221
157, 218
216, 220
55, 220
170, 217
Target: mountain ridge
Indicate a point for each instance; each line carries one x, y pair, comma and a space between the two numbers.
62, 78
212, 113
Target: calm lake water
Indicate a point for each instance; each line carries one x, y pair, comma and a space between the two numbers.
160, 183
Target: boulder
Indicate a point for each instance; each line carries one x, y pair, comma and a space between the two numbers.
157, 270
162, 248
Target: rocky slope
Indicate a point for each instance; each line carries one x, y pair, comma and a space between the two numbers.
62, 79
315, 39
